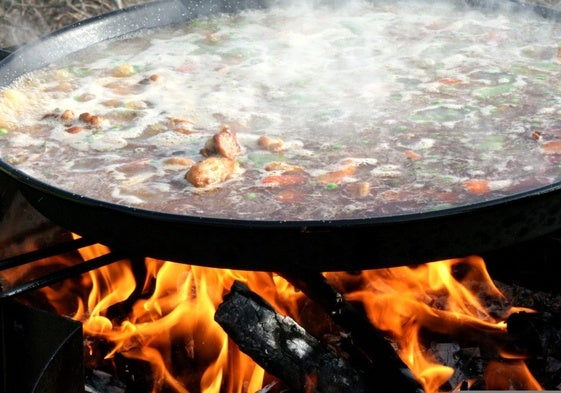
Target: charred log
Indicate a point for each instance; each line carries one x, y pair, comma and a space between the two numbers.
371, 350
97, 381
283, 348
468, 364
528, 335
540, 333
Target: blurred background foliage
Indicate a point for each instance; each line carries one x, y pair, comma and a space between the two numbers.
24, 20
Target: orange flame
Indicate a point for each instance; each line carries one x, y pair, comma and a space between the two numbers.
444, 297
510, 375
173, 310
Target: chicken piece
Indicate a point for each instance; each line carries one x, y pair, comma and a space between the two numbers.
337, 176
359, 189
68, 115
271, 144
283, 166
225, 143
94, 120
179, 161
211, 170
123, 70
183, 126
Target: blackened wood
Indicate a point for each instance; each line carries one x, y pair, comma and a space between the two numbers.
377, 356
466, 331
98, 381
538, 333
468, 363
282, 347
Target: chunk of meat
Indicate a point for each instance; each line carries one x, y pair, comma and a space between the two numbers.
551, 147
68, 115
183, 126
211, 170
225, 143
123, 70
283, 166
94, 120
269, 143
179, 161
360, 189
338, 175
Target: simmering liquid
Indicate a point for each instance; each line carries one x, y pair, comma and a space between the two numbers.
346, 111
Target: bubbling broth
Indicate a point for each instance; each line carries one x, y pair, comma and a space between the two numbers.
299, 112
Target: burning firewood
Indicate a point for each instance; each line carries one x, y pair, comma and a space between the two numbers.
283, 348
540, 333
371, 349
98, 382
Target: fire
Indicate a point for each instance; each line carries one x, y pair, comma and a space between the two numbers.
178, 310
451, 297
167, 317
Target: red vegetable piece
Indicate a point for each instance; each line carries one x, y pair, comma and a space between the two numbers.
477, 186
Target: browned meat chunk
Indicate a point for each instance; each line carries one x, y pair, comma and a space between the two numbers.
210, 171
179, 161
283, 166
68, 115
183, 126
225, 143
269, 143
74, 129
91, 119
359, 189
